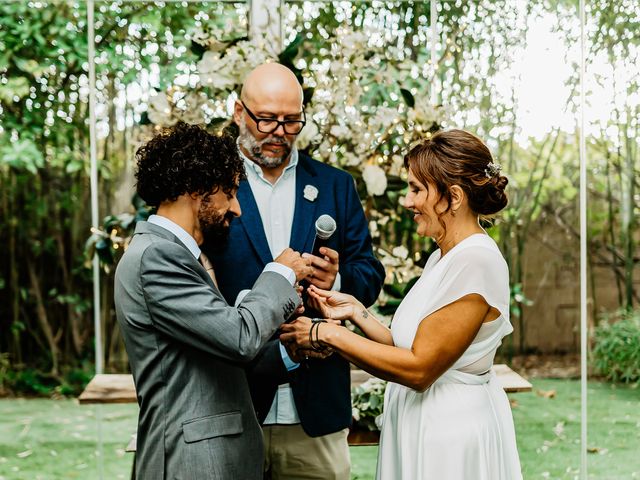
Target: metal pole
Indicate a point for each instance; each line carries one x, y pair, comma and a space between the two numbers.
583, 253
434, 56
97, 324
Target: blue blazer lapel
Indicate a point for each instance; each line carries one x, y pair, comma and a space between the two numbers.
304, 217
252, 223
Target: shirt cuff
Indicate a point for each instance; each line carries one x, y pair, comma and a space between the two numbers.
337, 283
283, 270
286, 359
240, 297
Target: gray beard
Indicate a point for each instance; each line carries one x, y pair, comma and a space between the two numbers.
254, 147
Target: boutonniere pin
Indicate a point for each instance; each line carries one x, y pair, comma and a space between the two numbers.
310, 193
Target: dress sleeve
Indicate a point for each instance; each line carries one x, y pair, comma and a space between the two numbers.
478, 270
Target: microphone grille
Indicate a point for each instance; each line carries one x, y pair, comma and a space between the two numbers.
325, 226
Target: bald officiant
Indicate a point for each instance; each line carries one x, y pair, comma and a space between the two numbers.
303, 404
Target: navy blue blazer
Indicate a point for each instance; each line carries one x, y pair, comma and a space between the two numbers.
321, 388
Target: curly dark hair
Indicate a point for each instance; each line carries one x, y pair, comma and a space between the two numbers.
186, 159
456, 157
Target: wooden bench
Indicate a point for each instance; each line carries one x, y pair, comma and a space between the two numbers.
117, 388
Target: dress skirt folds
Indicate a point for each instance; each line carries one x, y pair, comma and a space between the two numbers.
461, 427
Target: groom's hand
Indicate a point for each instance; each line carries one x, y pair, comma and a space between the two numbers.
300, 355
325, 269
300, 265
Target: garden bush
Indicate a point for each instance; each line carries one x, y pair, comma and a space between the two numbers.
616, 353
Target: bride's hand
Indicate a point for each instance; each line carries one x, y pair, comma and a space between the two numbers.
332, 304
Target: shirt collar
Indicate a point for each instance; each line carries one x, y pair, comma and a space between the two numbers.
252, 166
178, 231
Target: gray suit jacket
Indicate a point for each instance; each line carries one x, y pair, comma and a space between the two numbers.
187, 348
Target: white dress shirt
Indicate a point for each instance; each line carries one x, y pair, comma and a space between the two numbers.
178, 231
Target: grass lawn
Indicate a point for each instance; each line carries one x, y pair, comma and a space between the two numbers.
57, 439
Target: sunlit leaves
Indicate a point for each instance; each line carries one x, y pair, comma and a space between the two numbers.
22, 155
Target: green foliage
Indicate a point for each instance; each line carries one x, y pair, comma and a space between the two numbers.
518, 299
33, 382
110, 242
366, 403
45, 302
394, 294
5, 368
75, 380
616, 351
23, 156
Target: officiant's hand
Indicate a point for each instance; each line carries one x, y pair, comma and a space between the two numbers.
332, 304
325, 268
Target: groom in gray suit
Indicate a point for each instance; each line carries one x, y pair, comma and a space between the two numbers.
186, 345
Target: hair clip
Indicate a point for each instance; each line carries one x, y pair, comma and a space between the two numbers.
492, 170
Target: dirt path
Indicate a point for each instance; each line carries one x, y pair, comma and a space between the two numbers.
547, 366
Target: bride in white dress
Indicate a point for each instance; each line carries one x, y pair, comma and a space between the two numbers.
445, 415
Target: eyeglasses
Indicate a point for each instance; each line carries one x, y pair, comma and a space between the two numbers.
270, 125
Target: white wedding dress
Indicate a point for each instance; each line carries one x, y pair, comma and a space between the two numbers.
460, 428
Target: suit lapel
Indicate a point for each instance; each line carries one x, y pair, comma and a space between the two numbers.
252, 223
304, 217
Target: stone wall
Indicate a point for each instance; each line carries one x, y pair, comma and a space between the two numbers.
552, 282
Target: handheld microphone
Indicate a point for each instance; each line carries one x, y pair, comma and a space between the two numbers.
325, 228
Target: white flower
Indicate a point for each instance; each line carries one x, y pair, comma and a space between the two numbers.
325, 146
379, 421
340, 131
373, 229
425, 113
309, 134
310, 193
200, 37
216, 72
355, 413
400, 252
193, 112
375, 179
160, 110
397, 164
350, 159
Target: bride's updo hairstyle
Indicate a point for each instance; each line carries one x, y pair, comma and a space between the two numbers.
456, 157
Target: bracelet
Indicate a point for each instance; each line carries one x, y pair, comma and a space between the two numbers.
318, 335
316, 345
312, 342
311, 334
